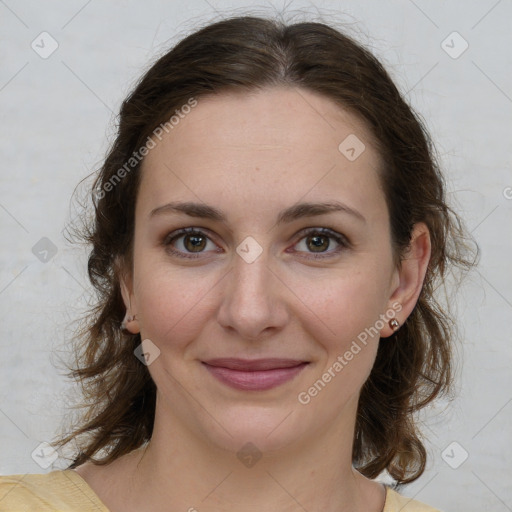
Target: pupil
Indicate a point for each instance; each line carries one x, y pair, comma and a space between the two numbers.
317, 241
196, 241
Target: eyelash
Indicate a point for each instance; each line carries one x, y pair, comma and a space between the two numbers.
338, 238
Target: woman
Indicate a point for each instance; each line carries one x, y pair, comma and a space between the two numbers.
270, 226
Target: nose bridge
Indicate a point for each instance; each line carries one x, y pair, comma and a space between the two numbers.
250, 301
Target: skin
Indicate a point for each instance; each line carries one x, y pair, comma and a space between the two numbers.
252, 155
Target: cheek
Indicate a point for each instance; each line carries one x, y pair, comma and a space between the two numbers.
346, 328
173, 303
348, 315
344, 305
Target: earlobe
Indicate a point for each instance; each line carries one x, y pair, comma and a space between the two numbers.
410, 277
130, 324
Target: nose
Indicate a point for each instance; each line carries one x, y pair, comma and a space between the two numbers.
254, 299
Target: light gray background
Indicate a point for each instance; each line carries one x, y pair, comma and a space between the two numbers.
56, 124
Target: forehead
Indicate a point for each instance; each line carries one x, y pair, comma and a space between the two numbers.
264, 149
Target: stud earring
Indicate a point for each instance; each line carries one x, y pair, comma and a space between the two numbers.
394, 324
127, 319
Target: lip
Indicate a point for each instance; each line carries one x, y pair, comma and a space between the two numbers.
255, 374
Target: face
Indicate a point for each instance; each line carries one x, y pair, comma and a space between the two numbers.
311, 286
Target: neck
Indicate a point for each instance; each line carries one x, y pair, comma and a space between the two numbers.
179, 470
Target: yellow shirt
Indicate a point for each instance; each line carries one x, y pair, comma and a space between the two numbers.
66, 491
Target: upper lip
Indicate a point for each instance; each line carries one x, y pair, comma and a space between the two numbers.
253, 364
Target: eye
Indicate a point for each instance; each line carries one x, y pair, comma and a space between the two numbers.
318, 241
194, 240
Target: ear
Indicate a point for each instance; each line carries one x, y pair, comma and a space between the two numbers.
407, 281
130, 322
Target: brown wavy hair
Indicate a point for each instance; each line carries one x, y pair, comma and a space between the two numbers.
244, 53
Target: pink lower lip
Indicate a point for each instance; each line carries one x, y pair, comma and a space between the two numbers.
255, 380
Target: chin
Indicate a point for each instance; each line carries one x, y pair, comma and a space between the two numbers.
254, 428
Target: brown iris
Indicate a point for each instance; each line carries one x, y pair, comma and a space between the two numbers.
317, 244
197, 244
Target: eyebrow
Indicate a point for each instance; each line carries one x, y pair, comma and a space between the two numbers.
290, 214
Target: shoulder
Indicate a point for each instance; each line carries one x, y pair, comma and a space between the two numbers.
396, 502
59, 490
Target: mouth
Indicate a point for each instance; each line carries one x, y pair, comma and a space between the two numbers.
254, 375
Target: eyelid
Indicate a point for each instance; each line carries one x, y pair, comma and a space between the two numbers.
325, 230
